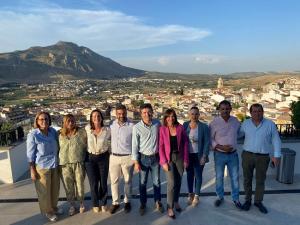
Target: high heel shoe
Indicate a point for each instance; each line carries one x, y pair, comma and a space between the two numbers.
172, 216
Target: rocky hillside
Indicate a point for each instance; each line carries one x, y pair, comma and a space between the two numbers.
62, 60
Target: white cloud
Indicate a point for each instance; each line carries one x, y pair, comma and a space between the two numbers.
181, 63
101, 30
163, 60
208, 59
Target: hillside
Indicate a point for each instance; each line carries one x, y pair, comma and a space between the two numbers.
64, 59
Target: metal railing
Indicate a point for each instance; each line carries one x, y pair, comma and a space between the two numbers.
288, 131
9, 137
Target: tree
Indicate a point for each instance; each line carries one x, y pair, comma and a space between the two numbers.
295, 108
6, 126
241, 117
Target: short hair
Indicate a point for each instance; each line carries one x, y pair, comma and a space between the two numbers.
63, 131
36, 125
224, 102
120, 107
256, 105
146, 106
91, 121
168, 113
194, 107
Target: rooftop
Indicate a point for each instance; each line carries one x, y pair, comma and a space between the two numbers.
18, 205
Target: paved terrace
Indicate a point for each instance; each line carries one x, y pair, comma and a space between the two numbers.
18, 205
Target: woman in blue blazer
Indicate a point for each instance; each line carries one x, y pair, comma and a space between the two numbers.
199, 142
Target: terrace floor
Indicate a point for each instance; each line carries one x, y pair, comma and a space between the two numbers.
18, 206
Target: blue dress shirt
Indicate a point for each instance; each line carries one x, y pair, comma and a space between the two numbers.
121, 137
42, 149
145, 138
263, 139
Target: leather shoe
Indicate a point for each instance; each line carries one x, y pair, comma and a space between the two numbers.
127, 207
261, 207
219, 201
246, 206
238, 205
113, 209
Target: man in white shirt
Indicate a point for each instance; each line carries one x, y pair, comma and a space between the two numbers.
262, 141
120, 159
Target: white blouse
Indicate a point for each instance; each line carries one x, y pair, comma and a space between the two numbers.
193, 139
100, 143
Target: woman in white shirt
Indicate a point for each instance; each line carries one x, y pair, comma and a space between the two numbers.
97, 160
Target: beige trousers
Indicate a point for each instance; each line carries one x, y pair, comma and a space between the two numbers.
47, 188
118, 166
72, 175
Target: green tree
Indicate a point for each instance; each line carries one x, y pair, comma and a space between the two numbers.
295, 108
6, 126
241, 117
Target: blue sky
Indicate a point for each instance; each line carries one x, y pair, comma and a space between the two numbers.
192, 36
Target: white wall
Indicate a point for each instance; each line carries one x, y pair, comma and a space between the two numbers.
13, 162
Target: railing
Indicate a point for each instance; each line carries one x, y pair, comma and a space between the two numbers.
9, 137
288, 131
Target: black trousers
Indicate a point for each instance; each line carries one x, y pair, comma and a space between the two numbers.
97, 171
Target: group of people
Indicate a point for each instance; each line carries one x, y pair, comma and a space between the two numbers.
116, 150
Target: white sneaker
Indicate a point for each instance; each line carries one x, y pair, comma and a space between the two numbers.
96, 209
81, 209
104, 208
51, 217
72, 211
195, 201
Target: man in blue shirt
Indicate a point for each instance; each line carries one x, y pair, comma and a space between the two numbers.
145, 136
261, 141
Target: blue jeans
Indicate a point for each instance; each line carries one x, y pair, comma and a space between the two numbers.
194, 172
232, 162
149, 163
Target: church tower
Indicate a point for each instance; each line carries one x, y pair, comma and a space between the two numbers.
220, 83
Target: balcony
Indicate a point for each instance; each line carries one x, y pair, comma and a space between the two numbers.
18, 201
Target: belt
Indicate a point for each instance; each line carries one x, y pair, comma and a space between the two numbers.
227, 153
150, 155
253, 153
116, 154
97, 153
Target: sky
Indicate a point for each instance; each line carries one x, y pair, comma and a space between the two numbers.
181, 36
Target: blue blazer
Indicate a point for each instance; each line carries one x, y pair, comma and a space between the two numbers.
203, 138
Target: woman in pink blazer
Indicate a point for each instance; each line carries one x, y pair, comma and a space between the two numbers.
173, 154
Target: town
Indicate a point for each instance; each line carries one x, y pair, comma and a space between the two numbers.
80, 97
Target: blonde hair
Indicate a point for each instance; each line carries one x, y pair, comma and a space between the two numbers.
64, 130
35, 124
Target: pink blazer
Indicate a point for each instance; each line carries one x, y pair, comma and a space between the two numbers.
165, 146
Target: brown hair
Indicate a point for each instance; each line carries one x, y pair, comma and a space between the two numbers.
63, 131
167, 113
35, 124
91, 122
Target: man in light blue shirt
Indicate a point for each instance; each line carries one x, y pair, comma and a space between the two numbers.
261, 141
120, 162
145, 138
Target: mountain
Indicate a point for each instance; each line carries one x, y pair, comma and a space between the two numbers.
62, 60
